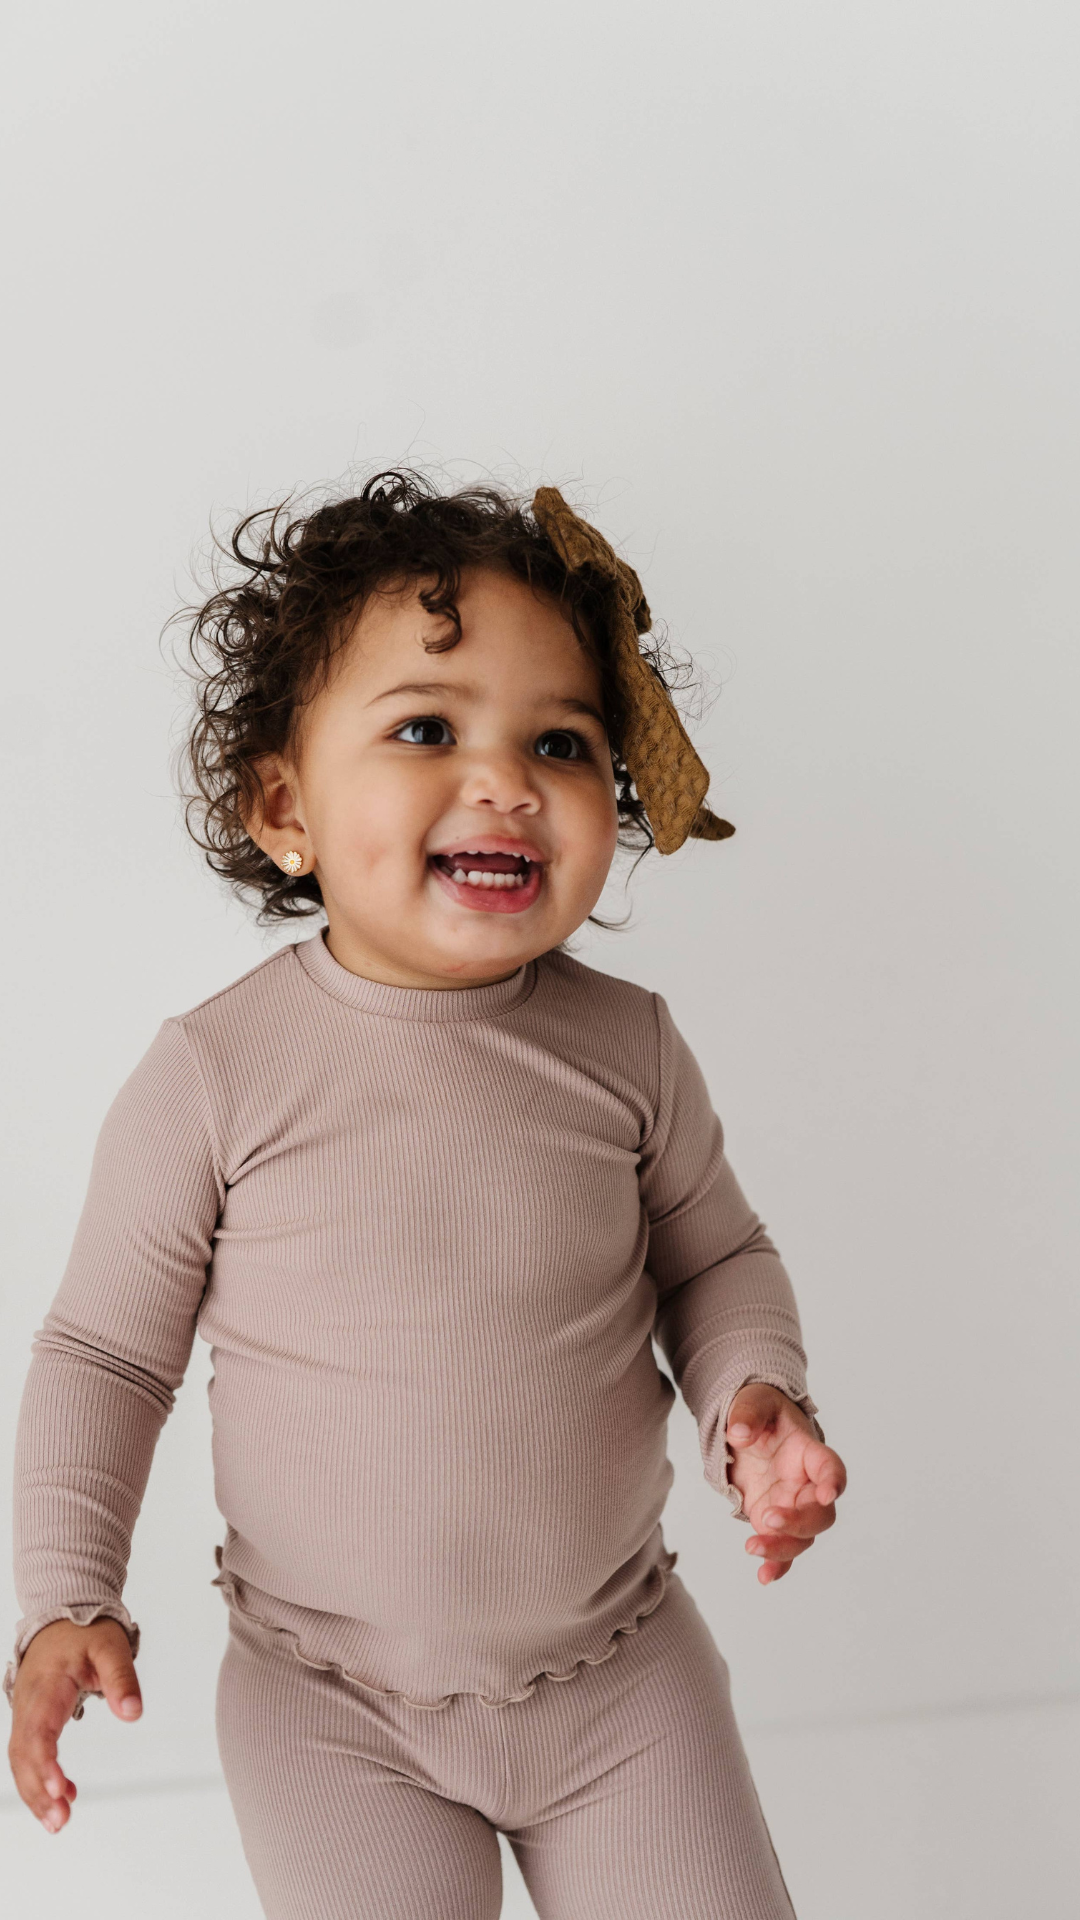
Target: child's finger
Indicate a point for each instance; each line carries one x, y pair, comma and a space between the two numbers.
826, 1470
777, 1547
773, 1570
117, 1679
38, 1775
804, 1519
752, 1410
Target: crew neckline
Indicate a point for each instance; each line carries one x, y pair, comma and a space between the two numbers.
411, 1003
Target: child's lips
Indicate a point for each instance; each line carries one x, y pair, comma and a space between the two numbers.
490, 899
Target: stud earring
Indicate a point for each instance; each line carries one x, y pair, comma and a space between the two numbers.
292, 862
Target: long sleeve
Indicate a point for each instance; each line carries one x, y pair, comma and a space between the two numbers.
114, 1346
726, 1312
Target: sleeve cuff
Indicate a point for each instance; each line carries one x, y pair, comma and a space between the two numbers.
82, 1616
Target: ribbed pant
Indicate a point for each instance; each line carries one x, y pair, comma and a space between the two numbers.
624, 1790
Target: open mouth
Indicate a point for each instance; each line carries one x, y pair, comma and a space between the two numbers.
494, 882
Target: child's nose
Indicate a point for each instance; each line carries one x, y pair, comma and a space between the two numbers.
500, 777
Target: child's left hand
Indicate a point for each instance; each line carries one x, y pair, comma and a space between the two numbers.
790, 1480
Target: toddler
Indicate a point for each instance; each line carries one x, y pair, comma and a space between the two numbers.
430, 1187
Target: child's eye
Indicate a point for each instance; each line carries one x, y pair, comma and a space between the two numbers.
563, 734
569, 744
424, 720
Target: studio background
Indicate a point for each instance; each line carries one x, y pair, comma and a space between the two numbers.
786, 297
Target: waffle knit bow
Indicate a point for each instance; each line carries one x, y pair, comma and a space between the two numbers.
670, 779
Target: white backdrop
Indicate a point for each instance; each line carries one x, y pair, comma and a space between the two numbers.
787, 297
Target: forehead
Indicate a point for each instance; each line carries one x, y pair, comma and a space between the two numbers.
507, 625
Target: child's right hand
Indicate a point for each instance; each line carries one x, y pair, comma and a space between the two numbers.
61, 1661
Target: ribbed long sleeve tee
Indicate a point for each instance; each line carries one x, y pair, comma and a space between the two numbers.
430, 1236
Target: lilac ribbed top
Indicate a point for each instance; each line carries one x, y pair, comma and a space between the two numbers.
429, 1236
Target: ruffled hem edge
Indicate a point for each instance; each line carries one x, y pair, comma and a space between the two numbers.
83, 1616
663, 1568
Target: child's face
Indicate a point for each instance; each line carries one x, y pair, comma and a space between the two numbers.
505, 743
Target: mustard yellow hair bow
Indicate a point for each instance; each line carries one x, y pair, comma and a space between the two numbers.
670, 779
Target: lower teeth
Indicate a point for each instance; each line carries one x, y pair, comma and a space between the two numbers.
477, 879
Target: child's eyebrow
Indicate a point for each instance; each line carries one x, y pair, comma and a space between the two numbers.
469, 692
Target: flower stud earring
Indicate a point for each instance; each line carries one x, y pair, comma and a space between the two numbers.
292, 861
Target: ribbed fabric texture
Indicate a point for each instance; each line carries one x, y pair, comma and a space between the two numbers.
428, 1235
625, 1795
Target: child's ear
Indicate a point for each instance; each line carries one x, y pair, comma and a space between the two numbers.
270, 814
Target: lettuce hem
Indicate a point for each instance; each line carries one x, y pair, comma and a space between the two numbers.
659, 1573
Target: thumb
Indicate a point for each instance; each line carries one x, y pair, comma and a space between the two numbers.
116, 1675
752, 1410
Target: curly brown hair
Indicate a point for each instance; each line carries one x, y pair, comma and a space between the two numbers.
262, 643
